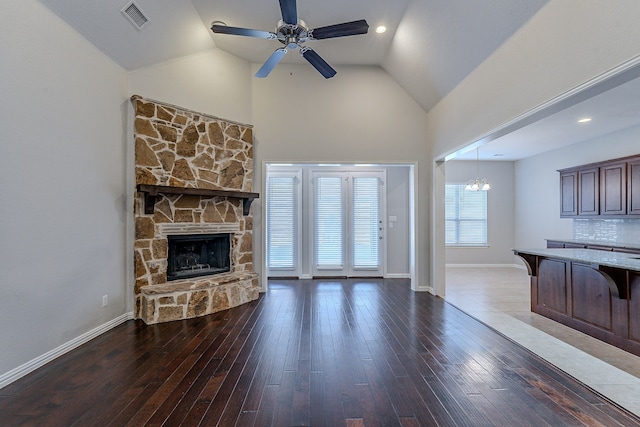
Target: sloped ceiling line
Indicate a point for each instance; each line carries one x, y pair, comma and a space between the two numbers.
430, 47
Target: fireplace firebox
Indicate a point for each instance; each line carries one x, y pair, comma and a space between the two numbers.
198, 255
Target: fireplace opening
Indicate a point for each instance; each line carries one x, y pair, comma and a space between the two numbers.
198, 255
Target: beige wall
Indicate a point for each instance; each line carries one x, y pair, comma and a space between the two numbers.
62, 151
567, 43
213, 82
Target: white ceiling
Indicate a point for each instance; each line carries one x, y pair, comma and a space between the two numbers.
430, 46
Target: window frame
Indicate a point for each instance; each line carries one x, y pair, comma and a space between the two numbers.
457, 218
296, 175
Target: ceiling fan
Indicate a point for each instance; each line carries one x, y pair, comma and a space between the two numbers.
293, 33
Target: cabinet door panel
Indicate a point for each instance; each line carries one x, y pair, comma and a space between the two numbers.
613, 189
569, 194
552, 288
591, 297
588, 192
633, 187
634, 306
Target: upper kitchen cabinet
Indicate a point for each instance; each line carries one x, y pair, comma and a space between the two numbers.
613, 188
568, 193
588, 192
607, 189
633, 186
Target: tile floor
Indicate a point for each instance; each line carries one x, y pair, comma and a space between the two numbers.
499, 297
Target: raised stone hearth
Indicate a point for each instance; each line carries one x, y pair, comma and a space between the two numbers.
178, 148
192, 298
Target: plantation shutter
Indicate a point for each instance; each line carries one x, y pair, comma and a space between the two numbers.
366, 222
329, 213
465, 216
282, 215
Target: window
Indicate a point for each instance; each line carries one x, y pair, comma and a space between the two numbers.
465, 216
282, 220
365, 227
329, 206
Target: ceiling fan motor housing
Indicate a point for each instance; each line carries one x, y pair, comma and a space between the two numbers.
292, 36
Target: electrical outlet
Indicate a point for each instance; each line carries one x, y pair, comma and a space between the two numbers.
105, 300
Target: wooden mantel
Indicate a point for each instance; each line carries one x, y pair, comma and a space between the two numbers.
151, 193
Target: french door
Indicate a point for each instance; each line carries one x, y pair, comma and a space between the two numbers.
346, 223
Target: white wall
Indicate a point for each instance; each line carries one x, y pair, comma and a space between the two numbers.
500, 212
567, 43
212, 82
63, 205
537, 207
359, 116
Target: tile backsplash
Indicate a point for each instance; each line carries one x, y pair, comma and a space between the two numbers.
607, 230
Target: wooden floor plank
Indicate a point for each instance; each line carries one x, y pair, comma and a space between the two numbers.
352, 352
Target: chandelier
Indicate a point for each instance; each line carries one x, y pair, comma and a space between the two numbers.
478, 184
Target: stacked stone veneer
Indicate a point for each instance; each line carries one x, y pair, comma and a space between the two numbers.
181, 148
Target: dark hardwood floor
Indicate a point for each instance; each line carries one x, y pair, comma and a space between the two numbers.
316, 352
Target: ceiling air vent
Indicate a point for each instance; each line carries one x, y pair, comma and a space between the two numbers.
135, 15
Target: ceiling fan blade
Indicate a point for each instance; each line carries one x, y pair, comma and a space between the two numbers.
319, 64
271, 63
340, 30
289, 11
224, 29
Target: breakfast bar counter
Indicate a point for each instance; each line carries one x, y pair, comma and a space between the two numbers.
594, 291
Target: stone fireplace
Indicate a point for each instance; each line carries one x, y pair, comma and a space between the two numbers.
193, 252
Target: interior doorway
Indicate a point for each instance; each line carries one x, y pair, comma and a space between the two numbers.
338, 220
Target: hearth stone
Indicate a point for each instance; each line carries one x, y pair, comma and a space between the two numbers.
186, 299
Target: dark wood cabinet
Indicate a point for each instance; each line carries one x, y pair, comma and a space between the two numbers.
603, 302
608, 189
633, 187
589, 192
613, 189
569, 194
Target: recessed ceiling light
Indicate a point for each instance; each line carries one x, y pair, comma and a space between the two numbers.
585, 120
381, 29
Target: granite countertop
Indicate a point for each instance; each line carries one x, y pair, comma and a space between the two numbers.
599, 243
591, 256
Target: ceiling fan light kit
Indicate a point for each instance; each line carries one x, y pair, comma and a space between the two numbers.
293, 33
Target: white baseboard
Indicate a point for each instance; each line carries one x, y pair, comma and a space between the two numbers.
483, 266
22, 370
397, 276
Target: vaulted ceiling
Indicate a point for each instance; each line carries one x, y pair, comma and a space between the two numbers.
429, 47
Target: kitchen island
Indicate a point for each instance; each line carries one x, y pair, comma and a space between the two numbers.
594, 291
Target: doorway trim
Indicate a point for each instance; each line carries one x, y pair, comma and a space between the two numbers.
412, 226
